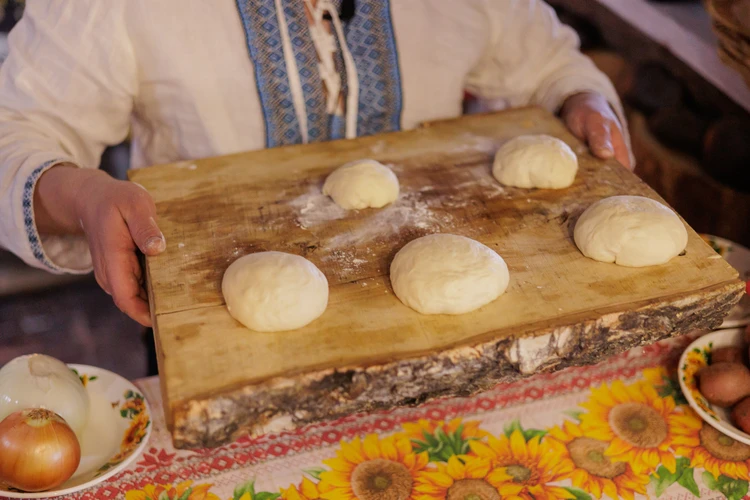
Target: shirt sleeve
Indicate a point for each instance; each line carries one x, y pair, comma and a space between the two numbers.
66, 92
532, 58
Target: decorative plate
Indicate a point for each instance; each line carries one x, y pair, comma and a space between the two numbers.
695, 357
119, 428
739, 258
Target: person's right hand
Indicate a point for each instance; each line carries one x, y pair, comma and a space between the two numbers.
118, 217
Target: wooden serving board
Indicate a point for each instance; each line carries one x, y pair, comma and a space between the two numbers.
368, 350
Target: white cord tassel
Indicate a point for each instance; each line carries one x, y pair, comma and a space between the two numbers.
352, 79
325, 45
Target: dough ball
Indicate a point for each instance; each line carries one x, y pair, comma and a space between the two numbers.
362, 184
447, 274
274, 291
535, 161
630, 231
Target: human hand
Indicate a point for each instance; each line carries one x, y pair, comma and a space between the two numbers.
589, 116
118, 217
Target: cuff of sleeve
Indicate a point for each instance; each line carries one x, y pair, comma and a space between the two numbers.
56, 254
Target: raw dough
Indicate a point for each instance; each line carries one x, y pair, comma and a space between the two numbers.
362, 184
274, 291
447, 274
535, 161
630, 231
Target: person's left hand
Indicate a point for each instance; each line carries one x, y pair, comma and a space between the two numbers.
589, 116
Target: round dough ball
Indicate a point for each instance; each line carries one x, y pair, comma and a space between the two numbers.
274, 291
362, 184
447, 274
535, 161
630, 231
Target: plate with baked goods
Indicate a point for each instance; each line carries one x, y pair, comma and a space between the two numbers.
65, 428
715, 379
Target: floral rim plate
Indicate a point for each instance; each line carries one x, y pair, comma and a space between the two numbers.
739, 258
119, 428
695, 357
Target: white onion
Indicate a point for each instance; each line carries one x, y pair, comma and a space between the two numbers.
39, 381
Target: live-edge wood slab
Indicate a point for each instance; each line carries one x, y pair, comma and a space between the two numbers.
368, 350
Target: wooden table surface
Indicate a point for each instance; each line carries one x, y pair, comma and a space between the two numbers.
368, 350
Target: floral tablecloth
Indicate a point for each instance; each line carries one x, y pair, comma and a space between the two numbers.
618, 429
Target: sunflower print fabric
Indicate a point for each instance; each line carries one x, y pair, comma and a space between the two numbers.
617, 430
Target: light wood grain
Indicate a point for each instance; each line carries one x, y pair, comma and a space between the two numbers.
215, 210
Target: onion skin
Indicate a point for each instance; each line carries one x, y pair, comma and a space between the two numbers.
38, 450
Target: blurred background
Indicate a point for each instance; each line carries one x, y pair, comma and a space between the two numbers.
681, 67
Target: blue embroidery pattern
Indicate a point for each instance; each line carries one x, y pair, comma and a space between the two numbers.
370, 38
267, 52
372, 43
27, 202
